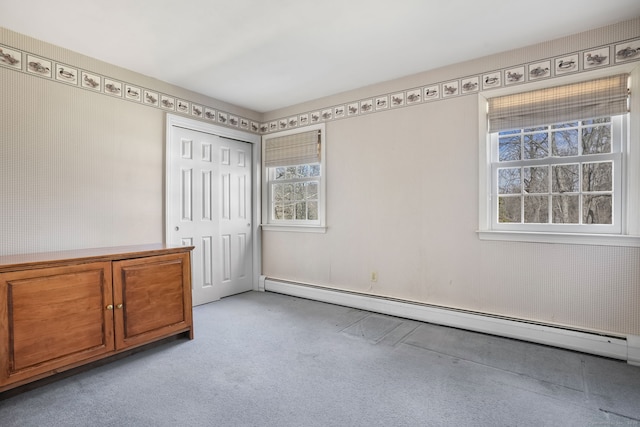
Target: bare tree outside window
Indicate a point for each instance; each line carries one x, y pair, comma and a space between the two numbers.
552, 174
295, 192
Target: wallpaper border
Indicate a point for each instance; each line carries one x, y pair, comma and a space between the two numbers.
571, 63
546, 69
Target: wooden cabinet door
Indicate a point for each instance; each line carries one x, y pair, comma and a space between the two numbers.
53, 318
152, 298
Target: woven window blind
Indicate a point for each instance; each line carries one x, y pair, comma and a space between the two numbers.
584, 100
296, 149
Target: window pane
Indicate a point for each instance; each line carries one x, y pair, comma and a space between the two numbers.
301, 210
278, 193
565, 209
290, 172
313, 210
565, 142
596, 139
303, 171
314, 170
536, 209
509, 181
299, 191
536, 180
597, 176
278, 212
312, 190
509, 148
287, 190
565, 125
597, 209
288, 211
565, 179
280, 173
509, 209
538, 129
602, 120
536, 146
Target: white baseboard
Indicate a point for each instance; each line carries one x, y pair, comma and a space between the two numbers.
583, 341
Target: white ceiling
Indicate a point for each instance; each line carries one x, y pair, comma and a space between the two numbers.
264, 55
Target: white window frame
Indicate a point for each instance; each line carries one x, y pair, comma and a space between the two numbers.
618, 135
269, 224
629, 231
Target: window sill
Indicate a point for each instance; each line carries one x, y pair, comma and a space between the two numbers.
294, 228
562, 238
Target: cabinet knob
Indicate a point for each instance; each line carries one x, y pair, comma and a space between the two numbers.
110, 307
119, 306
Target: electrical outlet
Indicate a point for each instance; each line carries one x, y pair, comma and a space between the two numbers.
374, 276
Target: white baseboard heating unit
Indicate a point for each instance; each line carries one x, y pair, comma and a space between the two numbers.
618, 347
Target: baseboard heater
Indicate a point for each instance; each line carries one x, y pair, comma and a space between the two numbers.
618, 347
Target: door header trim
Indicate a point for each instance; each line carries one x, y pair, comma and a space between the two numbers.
187, 123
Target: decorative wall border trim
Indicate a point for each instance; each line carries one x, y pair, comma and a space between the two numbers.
571, 63
546, 69
29, 63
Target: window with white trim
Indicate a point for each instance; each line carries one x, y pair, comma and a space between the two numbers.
293, 194
556, 158
564, 177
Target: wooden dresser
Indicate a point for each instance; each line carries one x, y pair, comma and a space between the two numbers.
60, 310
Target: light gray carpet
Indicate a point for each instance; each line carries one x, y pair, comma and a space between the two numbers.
262, 359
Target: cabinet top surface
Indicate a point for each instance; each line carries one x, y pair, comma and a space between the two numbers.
22, 261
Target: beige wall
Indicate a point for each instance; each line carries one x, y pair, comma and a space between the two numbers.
403, 201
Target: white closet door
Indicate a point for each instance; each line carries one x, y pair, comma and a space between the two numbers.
209, 207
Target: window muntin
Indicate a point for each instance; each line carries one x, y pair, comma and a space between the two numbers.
563, 177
